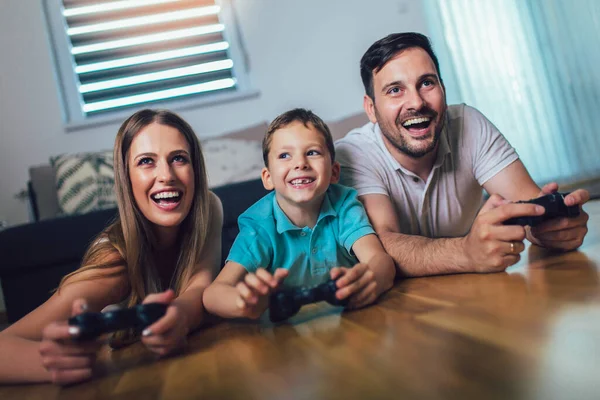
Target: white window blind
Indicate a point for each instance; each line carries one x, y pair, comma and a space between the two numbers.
118, 54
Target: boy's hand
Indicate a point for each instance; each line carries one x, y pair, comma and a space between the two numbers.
357, 283
169, 332
254, 291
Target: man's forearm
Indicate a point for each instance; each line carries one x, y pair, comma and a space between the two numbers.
420, 256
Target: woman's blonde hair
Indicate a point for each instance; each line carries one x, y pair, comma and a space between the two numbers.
129, 241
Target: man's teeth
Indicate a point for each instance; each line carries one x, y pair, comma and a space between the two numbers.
166, 195
302, 181
414, 121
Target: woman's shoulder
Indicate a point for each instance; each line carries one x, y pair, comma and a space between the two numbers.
215, 205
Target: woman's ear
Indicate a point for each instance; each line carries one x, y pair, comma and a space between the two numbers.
335, 172
266, 179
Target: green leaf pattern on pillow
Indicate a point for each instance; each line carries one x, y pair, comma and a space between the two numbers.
84, 181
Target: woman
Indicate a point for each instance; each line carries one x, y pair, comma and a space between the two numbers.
164, 247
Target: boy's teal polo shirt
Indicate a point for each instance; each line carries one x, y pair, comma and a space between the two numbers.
268, 238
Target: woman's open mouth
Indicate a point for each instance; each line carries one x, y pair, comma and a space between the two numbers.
167, 200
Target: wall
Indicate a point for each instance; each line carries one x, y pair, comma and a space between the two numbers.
302, 53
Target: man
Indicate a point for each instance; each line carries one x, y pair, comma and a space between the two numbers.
420, 166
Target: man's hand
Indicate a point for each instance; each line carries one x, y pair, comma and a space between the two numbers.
562, 233
357, 283
169, 332
65, 358
255, 289
491, 246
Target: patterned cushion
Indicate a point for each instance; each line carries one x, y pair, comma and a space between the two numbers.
232, 160
84, 182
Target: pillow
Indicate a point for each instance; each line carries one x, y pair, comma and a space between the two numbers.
232, 160
84, 182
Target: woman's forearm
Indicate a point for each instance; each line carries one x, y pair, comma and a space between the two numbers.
190, 303
20, 360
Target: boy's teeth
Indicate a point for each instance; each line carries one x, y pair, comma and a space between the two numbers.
414, 121
302, 181
166, 195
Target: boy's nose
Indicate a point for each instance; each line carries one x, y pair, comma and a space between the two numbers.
301, 164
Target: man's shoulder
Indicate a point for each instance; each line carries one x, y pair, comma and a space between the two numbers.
359, 136
467, 114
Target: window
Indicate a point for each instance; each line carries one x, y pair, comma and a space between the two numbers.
529, 67
113, 55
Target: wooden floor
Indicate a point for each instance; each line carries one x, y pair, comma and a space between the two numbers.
530, 333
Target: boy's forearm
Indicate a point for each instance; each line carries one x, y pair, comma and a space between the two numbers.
220, 299
20, 361
384, 270
420, 256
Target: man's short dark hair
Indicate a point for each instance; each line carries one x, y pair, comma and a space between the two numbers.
304, 116
387, 48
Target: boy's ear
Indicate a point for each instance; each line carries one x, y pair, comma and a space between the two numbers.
369, 107
266, 179
335, 172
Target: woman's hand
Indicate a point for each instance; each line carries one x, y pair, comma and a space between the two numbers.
66, 359
170, 332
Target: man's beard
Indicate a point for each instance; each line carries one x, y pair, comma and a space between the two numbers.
398, 139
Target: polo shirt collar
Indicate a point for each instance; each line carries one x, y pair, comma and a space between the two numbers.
284, 224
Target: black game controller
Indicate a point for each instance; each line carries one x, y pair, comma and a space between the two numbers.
91, 325
555, 207
286, 302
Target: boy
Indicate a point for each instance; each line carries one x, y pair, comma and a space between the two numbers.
309, 229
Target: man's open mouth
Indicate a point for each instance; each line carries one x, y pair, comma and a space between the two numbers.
417, 123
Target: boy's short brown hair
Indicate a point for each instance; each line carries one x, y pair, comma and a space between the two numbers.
299, 115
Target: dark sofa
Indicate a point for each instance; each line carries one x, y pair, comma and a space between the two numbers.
36, 256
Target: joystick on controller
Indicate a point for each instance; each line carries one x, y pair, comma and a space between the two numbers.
555, 207
287, 302
91, 325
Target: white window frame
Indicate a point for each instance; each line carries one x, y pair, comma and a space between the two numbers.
66, 77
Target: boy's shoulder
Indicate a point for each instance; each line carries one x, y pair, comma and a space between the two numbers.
260, 211
339, 195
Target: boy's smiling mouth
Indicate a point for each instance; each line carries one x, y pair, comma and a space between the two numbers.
301, 182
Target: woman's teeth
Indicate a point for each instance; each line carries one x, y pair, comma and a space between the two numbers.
166, 195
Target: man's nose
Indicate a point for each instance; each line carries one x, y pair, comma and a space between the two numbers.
414, 100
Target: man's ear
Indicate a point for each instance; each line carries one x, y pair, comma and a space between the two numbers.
369, 106
335, 172
266, 179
